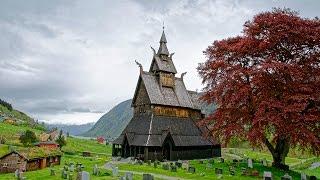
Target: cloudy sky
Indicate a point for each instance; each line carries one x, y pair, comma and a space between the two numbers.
71, 61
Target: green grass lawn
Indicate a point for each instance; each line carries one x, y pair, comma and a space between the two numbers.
204, 173
11, 132
76, 145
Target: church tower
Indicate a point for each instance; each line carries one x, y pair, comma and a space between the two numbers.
165, 116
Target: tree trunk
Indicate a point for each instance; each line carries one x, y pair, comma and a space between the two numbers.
280, 152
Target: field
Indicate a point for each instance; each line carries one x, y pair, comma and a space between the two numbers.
101, 154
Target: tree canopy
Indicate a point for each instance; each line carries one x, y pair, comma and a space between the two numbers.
266, 83
28, 138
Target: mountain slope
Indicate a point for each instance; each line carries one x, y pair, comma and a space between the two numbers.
72, 129
112, 123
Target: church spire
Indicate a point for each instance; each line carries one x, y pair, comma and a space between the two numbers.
163, 50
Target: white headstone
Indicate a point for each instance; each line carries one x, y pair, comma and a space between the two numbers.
264, 162
129, 175
115, 171
250, 163
16, 173
267, 175
71, 168
303, 176
85, 175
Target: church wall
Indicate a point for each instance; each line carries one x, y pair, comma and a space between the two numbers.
142, 102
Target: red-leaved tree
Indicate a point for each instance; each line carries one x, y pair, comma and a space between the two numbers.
266, 83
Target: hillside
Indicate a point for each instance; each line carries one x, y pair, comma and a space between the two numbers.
112, 123
12, 116
72, 129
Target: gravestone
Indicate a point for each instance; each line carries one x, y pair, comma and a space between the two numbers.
140, 162
192, 170
267, 175
71, 167
250, 165
149, 162
303, 176
178, 164
95, 170
218, 171
147, 177
264, 162
129, 176
185, 165
64, 174
85, 175
155, 164
115, 171
286, 177
122, 178
221, 160
165, 166
52, 172
16, 173
173, 168
209, 166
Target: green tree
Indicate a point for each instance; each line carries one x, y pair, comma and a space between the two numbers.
28, 138
61, 140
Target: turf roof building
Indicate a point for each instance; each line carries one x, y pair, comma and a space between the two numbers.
165, 116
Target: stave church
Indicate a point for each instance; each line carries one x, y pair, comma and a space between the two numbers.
164, 125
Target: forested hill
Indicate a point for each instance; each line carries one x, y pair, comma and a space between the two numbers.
112, 123
12, 116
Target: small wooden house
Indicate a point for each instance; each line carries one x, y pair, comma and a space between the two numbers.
29, 159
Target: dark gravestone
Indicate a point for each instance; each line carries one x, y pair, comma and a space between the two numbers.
192, 170
149, 162
178, 164
218, 171
165, 166
147, 177
155, 164
173, 168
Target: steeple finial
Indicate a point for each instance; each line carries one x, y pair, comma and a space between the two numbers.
163, 44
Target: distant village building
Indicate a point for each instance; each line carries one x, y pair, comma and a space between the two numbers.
47, 144
165, 116
29, 160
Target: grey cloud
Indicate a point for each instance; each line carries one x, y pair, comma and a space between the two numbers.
70, 57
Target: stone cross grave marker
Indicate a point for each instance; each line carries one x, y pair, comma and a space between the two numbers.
286, 177
250, 165
85, 175
115, 171
129, 176
267, 175
147, 177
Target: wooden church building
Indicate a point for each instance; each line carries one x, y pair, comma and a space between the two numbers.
165, 116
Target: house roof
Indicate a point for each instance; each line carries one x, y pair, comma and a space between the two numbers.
35, 153
150, 130
177, 96
158, 64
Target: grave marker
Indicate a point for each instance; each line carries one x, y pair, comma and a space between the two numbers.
286, 177
303, 176
129, 176
192, 170
250, 165
147, 177
115, 171
267, 175
85, 175
218, 171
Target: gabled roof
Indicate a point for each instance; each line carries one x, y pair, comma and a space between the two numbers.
35, 153
149, 130
177, 96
